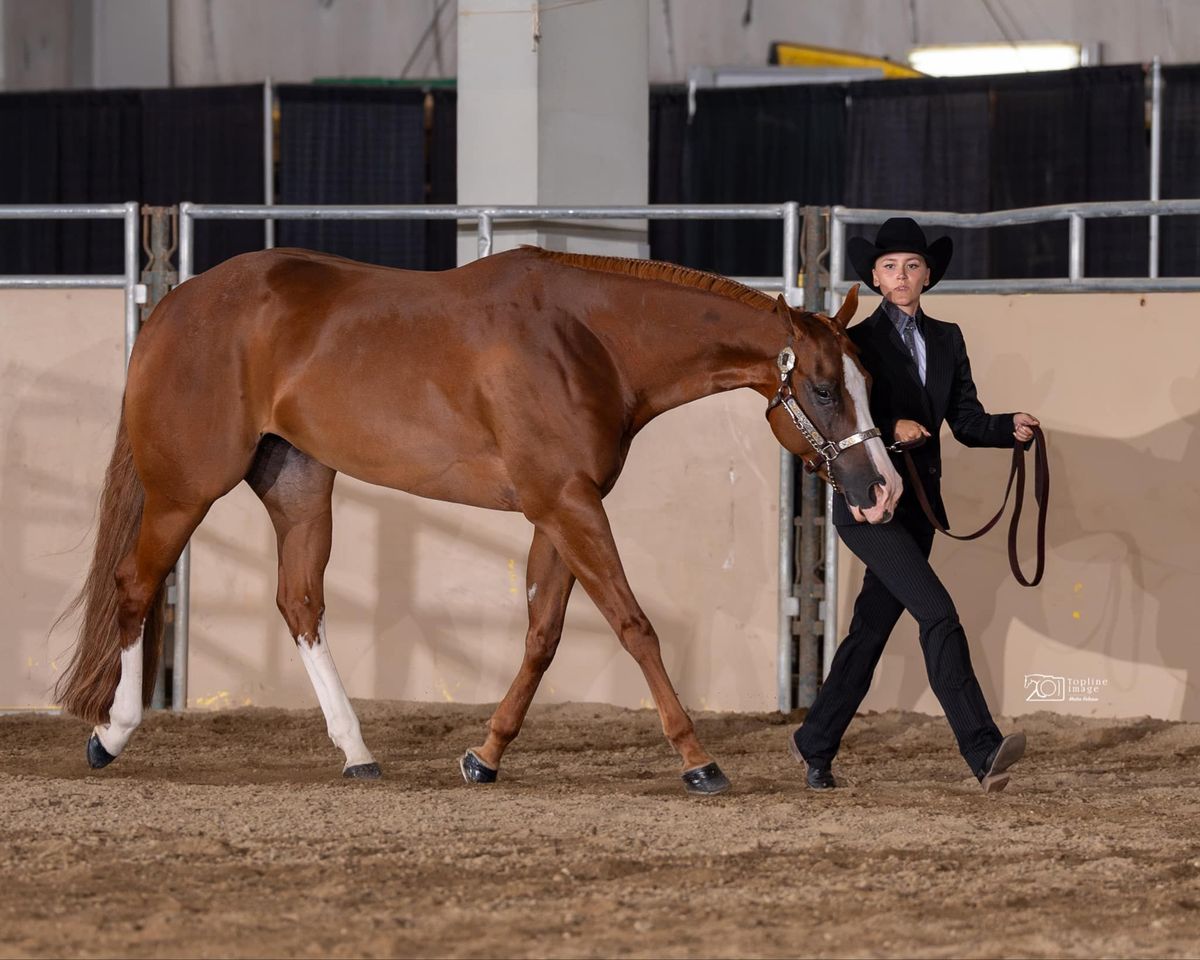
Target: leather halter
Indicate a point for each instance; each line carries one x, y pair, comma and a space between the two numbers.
785, 396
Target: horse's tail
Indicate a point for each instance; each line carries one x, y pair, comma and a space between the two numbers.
87, 687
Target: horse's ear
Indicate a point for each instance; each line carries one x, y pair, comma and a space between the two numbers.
848, 308
782, 308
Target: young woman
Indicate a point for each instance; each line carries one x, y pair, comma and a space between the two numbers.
922, 377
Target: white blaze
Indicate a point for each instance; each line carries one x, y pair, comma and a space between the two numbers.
856, 384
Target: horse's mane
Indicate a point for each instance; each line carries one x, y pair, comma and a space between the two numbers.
684, 277
659, 270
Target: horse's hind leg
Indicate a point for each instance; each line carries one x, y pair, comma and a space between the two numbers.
578, 527
548, 582
165, 528
296, 490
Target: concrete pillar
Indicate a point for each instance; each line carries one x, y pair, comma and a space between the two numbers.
553, 108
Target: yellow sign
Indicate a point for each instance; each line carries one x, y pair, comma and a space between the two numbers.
798, 55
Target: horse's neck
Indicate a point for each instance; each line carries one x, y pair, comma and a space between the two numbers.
692, 345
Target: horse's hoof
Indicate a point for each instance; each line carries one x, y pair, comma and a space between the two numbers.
705, 781
475, 770
97, 756
363, 771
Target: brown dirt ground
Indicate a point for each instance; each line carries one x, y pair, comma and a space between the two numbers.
232, 834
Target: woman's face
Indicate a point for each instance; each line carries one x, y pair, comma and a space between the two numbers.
901, 277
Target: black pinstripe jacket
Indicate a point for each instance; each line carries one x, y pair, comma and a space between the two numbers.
948, 395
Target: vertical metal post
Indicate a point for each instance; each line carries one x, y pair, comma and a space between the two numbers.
1155, 157
268, 159
1075, 248
809, 525
837, 255
183, 567
132, 278
179, 665
787, 604
829, 609
483, 234
791, 250
160, 229
829, 606
785, 640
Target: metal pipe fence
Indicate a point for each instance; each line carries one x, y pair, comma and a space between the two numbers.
485, 219
129, 281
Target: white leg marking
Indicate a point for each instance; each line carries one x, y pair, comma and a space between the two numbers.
126, 712
532, 592
340, 718
857, 386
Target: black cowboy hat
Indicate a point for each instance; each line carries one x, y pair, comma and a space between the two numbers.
900, 235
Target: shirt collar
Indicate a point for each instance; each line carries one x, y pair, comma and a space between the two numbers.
900, 319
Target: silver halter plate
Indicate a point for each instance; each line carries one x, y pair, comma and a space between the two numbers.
785, 396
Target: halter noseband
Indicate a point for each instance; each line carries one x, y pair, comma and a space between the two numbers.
785, 396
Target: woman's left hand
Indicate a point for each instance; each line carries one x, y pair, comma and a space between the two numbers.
1022, 426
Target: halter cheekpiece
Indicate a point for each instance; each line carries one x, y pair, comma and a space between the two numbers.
785, 396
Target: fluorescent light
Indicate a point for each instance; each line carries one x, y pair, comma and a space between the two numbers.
976, 59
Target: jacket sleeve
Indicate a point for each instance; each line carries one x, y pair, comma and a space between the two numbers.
971, 425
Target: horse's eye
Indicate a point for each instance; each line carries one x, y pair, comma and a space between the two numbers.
823, 394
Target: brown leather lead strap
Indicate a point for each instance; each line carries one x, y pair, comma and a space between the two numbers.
1041, 494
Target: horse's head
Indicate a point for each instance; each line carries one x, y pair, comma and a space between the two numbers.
821, 414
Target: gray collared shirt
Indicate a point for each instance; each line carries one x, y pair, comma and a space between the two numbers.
900, 320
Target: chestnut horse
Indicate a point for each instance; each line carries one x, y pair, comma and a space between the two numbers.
516, 382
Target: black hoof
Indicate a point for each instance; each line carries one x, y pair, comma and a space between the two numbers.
97, 756
475, 770
363, 771
706, 780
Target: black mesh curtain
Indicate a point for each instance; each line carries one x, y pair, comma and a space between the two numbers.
109, 146
1073, 135
1179, 237
69, 147
205, 144
441, 236
668, 127
921, 145
759, 145
353, 145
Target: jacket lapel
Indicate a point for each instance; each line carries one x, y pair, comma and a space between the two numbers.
938, 368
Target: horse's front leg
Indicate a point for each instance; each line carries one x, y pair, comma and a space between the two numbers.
577, 525
548, 583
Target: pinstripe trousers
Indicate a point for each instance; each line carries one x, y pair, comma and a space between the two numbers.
899, 578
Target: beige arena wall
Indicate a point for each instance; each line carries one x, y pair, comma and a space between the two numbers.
426, 600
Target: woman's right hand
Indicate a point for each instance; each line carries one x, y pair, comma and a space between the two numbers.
909, 431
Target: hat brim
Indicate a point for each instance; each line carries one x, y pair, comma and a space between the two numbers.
863, 254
